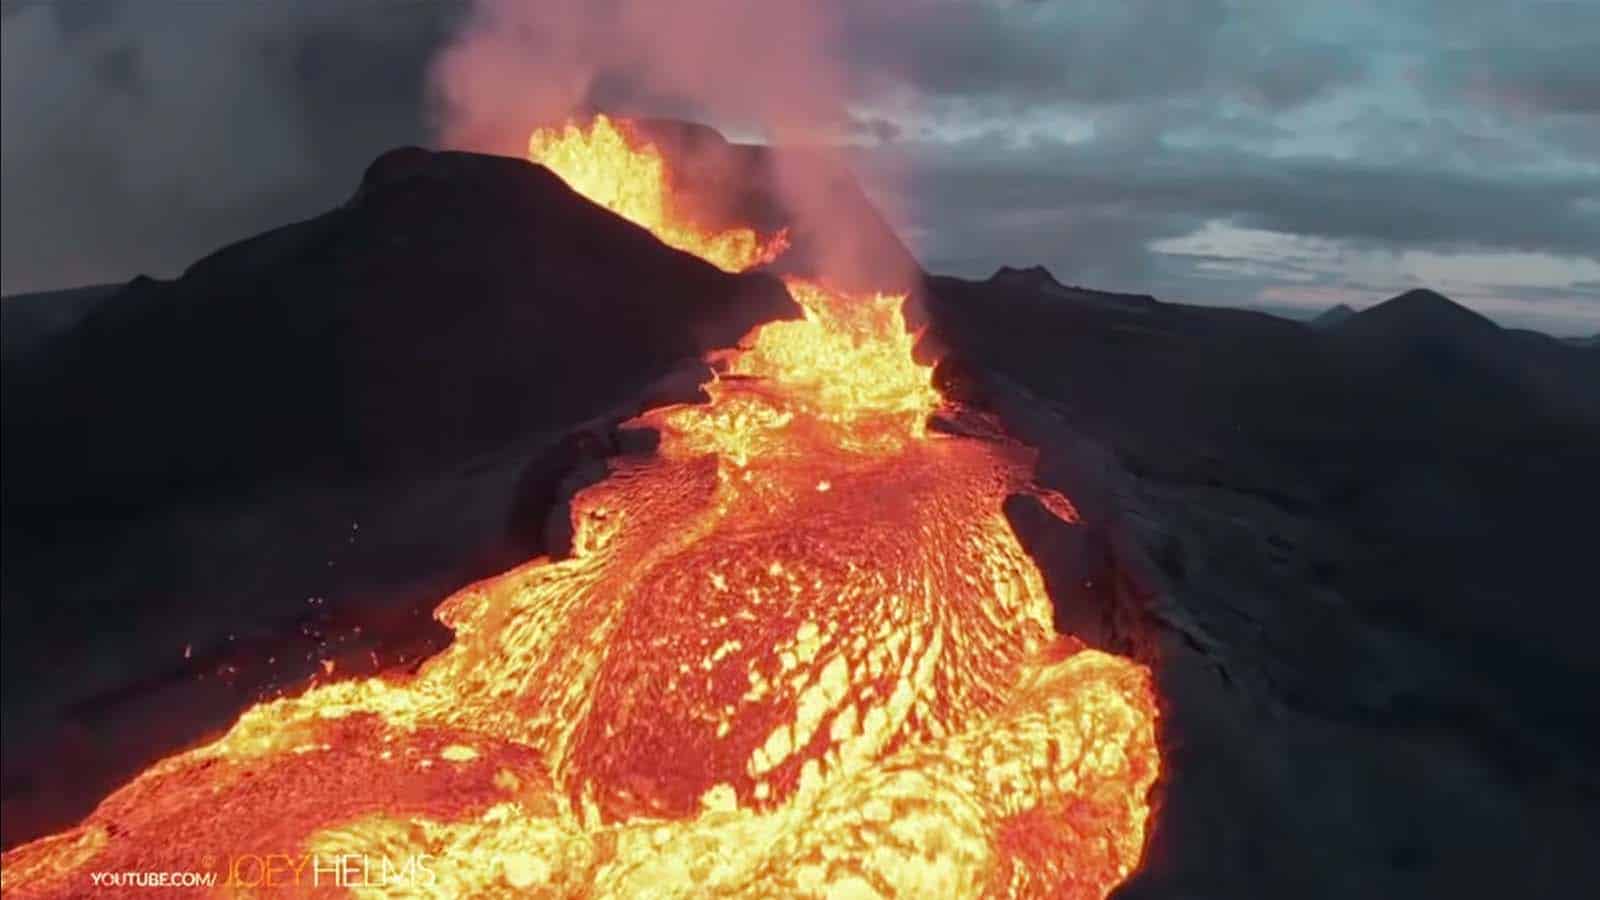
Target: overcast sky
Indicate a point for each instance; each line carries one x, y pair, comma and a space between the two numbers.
1243, 153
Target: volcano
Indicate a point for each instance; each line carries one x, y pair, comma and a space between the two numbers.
795, 648
477, 538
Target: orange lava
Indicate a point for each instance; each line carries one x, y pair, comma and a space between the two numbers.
796, 651
615, 168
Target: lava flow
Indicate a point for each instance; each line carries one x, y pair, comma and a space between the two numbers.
616, 169
796, 651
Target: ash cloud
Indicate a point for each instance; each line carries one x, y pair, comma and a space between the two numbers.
516, 64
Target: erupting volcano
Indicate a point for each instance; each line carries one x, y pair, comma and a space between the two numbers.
796, 650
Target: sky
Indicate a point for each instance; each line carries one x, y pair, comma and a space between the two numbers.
1287, 156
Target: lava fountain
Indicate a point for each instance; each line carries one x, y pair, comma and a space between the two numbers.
796, 650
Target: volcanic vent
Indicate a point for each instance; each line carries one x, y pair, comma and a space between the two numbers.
796, 650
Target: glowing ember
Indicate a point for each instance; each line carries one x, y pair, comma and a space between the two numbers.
611, 166
797, 651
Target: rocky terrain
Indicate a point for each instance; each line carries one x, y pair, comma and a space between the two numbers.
1356, 553
1365, 549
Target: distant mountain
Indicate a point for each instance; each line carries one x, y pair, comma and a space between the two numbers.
1418, 313
26, 320
1332, 316
1034, 277
1424, 337
1040, 280
1591, 342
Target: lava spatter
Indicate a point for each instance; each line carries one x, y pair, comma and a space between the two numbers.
796, 651
612, 166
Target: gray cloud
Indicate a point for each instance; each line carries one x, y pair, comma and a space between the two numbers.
1530, 67
1095, 52
1549, 79
1403, 205
138, 136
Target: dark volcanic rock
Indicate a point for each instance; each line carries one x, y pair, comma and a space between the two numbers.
28, 320
1359, 557
456, 301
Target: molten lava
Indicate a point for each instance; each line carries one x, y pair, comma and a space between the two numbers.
795, 651
612, 166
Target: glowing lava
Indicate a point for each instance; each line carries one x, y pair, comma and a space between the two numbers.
796, 651
612, 166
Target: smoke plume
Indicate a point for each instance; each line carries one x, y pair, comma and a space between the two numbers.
772, 72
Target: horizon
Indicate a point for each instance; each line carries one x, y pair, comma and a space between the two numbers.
1225, 154
1303, 314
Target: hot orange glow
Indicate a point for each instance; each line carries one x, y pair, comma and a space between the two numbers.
796, 651
613, 167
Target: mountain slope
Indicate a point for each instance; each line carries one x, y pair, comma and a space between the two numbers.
454, 301
1422, 336
31, 319
1332, 316
1418, 313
